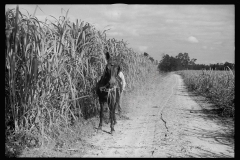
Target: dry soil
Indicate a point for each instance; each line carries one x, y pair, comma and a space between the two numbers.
164, 120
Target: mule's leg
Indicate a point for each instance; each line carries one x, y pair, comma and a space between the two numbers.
112, 120
101, 116
114, 115
111, 115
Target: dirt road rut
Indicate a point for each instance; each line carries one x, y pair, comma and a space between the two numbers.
164, 120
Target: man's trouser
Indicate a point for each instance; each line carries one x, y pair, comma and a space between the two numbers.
120, 94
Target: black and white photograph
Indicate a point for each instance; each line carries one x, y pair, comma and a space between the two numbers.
120, 80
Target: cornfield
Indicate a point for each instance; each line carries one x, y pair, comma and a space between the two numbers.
51, 70
218, 86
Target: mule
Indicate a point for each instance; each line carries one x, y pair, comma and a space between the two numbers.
108, 91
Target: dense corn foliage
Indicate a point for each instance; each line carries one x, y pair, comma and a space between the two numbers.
218, 86
51, 70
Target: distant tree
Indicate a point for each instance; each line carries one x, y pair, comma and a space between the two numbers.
192, 62
168, 63
164, 63
183, 60
230, 65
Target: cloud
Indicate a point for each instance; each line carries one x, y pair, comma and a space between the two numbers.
114, 33
116, 12
219, 42
204, 47
142, 48
113, 14
133, 32
169, 20
127, 29
192, 39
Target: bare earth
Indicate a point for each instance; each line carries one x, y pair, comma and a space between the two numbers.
164, 120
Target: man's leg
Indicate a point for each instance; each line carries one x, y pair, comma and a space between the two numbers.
120, 102
117, 100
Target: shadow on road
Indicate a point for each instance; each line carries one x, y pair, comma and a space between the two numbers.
207, 154
209, 112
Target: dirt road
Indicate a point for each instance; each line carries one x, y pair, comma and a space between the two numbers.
164, 120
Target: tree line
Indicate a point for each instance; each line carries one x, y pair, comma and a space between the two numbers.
183, 62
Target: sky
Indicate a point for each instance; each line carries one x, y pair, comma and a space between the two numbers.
205, 32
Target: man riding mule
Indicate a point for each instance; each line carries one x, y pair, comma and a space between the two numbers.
109, 90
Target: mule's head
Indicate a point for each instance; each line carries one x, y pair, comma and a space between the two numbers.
111, 71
